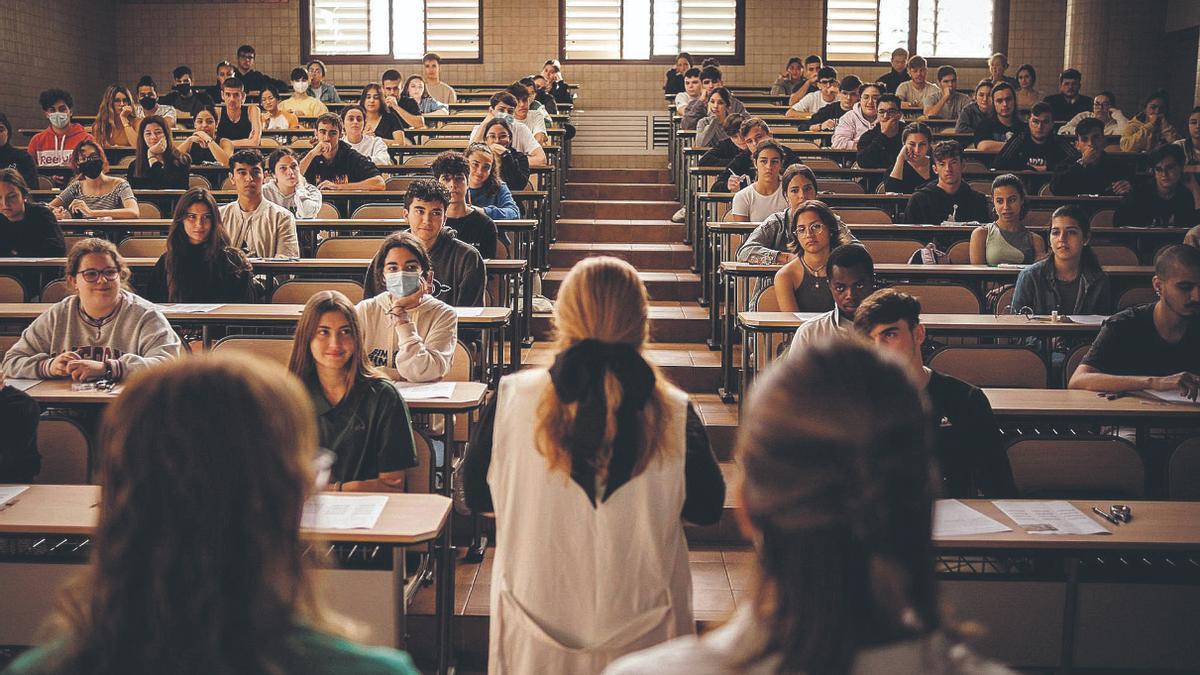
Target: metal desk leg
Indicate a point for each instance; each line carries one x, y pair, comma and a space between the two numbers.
399, 575
727, 386
744, 383
1070, 609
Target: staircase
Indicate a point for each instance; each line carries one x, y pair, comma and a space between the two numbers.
626, 213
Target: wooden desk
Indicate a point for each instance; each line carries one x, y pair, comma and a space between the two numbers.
68, 512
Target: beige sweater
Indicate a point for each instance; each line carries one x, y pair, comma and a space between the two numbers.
266, 232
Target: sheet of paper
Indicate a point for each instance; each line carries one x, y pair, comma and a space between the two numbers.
1049, 517
469, 311
19, 384
417, 391
952, 517
1011, 266
1171, 396
342, 512
10, 492
189, 308
1088, 319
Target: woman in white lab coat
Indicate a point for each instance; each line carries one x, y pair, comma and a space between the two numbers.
590, 468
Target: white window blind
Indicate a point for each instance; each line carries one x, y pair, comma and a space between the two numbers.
637, 30
869, 30
403, 29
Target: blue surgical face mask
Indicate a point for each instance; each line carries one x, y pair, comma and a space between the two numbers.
403, 284
507, 117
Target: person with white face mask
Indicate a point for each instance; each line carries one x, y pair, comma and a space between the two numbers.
53, 145
301, 103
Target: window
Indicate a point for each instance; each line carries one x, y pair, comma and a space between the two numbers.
869, 30
390, 30
651, 30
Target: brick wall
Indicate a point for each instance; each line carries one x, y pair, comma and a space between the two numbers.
54, 43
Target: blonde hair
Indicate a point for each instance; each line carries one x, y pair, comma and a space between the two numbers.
601, 299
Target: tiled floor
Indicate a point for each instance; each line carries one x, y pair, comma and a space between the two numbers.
721, 578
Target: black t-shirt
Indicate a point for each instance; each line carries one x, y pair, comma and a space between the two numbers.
347, 166
1129, 344
1143, 207
892, 80
829, 111
967, 440
931, 205
369, 430
992, 129
388, 125
36, 236
1063, 110
1022, 153
190, 105
161, 176
229, 130
477, 229
11, 158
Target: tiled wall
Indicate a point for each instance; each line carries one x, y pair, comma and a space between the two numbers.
1035, 36
1123, 42
54, 43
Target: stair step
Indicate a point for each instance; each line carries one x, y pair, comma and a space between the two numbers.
691, 367
619, 230
599, 208
615, 191
618, 176
720, 421
670, 322
641, 255
661, 285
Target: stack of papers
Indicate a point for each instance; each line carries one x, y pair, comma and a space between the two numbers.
342, 512
1049, 517
20, 384
189, 308
9, 492
1172, 396
469, 311
417, 391
954, 518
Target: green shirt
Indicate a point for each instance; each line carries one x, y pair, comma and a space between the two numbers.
307, 652
369, 430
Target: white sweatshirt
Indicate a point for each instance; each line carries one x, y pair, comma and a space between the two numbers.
420, 349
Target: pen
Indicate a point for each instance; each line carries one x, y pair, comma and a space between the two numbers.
1105, 516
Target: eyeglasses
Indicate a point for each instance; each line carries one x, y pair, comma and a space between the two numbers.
1166, 168
497, 138
92, 276
814, 228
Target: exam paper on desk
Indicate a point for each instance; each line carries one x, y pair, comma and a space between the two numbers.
342, 512
1049, 517
21, 384
1172, 396
954, 518
418, 391
10, 492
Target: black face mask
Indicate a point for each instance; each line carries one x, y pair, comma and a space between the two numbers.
91, 168
185, 89
148, 102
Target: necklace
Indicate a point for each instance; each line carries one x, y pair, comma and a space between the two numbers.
816, 278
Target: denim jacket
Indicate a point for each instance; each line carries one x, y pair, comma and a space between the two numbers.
1036, 289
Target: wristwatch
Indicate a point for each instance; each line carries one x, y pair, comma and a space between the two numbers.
108, 370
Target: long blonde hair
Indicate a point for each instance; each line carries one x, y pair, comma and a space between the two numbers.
108, 120
601, 299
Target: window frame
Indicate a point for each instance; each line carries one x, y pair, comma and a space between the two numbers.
306, 54
1000, 10
738, 58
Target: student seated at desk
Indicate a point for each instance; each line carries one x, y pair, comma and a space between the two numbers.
950, 198
362, 418
471, 223
431, 65
501, 106
912, 168
535, 120
850, 272
332, 164
977, 110
711, 129
257, 225
811, 102
485, 187
1027, 94
1002, 124
354, 122
12, 158
1006, 241
827, 118
892, 79
287, 186
793, 78
763, 197
840, 514
93, 193
149, 104
591, 468
184, 97
725, 150
800, 285
406, 331
380, 121
27, 229
406, 110
1095, 172
677, 75
1154, 346
318, 87
460, 276
754, 132
99, 331
158, 164
274, 117
53, 145
204, 146
116, 120
951, 102
300, 103
240, 124
1164, 200
1070, 280
20, 460
1068, 102
773, 241
879, 145
1104, 109
917, 91
1037, 148
513, 169
710, 80
859, 119
200, 265
691, 90
967, 440
233, 589
1151, 127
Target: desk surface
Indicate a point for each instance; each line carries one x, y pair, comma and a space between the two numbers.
374, 224
68, 509
942, 323
1077, 402
259, 264
234, 313
951, 271
1155, 526
467, 396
